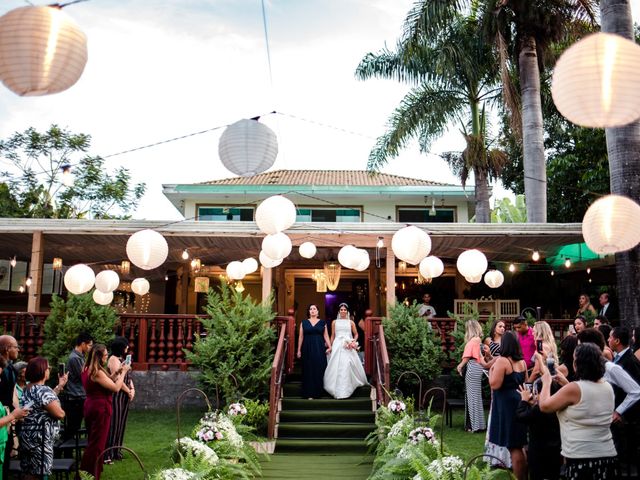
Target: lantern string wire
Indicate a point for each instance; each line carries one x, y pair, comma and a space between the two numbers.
266, 42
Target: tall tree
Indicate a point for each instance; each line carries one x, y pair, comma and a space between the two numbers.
623, 147
33, 182
454, 75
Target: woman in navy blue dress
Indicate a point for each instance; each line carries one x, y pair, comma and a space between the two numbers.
313, 347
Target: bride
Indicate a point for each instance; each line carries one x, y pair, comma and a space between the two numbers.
344, 372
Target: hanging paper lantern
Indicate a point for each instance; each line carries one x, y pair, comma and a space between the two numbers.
140, 286
102, 298
307, 250
494, 278
267, 261
249, 265
348, 256
411, 244
474, 278
363, 260
248, 147
275, 214
147, 249
277, 245
431, 267
596, 82
235, 270
612, 224
107, 281
79, 279
201, 284
42, 50
472, 264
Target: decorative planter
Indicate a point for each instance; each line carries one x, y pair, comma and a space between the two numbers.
267, 447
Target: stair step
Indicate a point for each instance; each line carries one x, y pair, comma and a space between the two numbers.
293, 389
357, 403
349, 416
324, 445
316, 466
324, 430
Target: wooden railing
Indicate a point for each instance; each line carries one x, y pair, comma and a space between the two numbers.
376, 359
282, 365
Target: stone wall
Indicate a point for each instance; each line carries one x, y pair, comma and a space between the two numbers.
158, 390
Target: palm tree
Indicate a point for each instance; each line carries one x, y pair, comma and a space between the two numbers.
454, 75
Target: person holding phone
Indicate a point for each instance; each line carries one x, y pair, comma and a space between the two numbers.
545, 345
121, 400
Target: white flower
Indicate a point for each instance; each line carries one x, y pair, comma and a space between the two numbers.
197, 449
217, 426
400, 427
176, 474
396, 406
450, 464
421, 434
236, 409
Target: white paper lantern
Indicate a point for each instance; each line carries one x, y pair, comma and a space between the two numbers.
612, 224
431, 267
249, 265
411, 244
363, 260
79, 279
102, 298
472, 264
596, 82
140, 286
107, 281
275, 214
42, 50
348, 256
147, 249
267, 261
494, 278
235, 270
474, 278
307, 250
277, 245
248, 147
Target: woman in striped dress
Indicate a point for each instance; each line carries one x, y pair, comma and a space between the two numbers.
473, 359
120, 401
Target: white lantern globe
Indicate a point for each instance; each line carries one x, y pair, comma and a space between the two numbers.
363, 260
79, 279
267, 261
596, 82
147, 249
348, 256
411, 244
494, 278
275, 214
249, 265
107, 281
474, 278
248, 147
42, 49
472, 263
277, 245
235, 270
612, 224
102, 298
307, 250
431, 267
140, 286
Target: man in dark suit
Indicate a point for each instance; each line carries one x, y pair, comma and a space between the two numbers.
607, 308
623, 356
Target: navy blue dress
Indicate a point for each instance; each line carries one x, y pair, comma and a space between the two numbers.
504, 429
314, 359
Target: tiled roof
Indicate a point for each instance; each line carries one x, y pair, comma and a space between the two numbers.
325, 177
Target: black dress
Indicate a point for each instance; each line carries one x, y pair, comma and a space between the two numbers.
314, 359
505, 430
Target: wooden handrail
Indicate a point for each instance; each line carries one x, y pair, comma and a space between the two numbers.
277, 373
377, 358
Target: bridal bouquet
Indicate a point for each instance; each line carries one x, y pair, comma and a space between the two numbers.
352, 345
396, 406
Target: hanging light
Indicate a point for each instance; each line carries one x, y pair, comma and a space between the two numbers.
612, 224
589, 280
140, 286
43, 50
185, 254
248, 147
67, 177
125, 267
249, 265
21, 288
588, 270
321, 282
28, 282
13, 262
494, 278
57, 264
166, 277
567, 262
201, 284
411, 244
348, 256
331, 272
595, 82
402, 267
102, 298
535, 256
239, 286
364, 260
275, 214
472, 264
267, 261
512, 267
380, 243
107, 281
235, 270
277, 245
79, 279
196, 264
431, 267
432, 210
307, 250
552, 273
147, 249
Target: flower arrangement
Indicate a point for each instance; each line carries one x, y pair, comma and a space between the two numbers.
451, 465
175, 474
396, 406
351, 345
209, 434
236, 409
421, 434
216, 426
401, 427
196, 448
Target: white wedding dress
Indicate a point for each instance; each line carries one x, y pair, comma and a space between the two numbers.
344, 372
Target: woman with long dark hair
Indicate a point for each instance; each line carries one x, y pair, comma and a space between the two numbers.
567, 347
313, 347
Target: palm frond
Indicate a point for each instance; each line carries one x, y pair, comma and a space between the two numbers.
428, 17
510, 93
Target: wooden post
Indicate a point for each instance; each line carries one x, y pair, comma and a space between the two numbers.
35, 271
267, 275
391, 280
374, 291
183, 289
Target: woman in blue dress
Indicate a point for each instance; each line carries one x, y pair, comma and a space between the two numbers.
313, 347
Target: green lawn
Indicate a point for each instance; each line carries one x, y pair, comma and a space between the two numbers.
150, 435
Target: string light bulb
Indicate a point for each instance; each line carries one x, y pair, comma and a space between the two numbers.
588, 270
13, 262
185, 254
567, 263
166, 278
21, 289
589, 280
552, 273
28, 282
512, 267
535, 256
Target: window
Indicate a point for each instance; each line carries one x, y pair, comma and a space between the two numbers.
226, 214
422, 215
328, 215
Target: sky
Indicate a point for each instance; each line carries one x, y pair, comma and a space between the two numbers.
160, 69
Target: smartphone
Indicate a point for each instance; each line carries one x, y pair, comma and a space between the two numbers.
61, 369
551, 365
539, 346
127, 360
529, 386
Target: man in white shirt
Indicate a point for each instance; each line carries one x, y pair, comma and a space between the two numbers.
426, 310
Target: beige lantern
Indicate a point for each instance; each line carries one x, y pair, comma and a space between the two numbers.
474, 278
411, 244
201, 284
42, 50
431, 267
147, 249
107, 281
140, 286
348, 256
472, 264
248, 147
276, 245
307, 250
249, 265
102, 298
267, 261
235, 270
79, 279
363, 260
596, 82
494, 278
275, 214
612, 224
